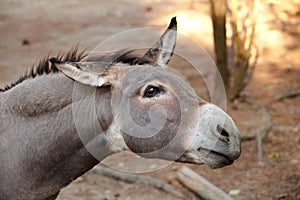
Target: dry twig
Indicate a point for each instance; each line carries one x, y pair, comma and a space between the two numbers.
248, 138
287, 96
134, 178
265, 128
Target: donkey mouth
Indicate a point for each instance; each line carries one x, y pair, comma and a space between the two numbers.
211, 158
214, 159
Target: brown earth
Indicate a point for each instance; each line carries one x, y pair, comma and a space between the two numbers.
30, 30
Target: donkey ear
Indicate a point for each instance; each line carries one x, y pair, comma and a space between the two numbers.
79, 72
161, 52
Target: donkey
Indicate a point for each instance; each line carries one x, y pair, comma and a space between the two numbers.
72, 111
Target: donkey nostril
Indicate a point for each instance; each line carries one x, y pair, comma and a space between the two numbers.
222, 131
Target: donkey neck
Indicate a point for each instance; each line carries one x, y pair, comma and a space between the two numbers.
41, 151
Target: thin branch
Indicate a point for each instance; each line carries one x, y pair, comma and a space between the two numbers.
248, 138
287, 96
135, 178
265, 128
252, 65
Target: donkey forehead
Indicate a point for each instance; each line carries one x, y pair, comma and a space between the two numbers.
137, 76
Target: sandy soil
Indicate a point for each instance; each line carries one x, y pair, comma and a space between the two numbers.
30, 30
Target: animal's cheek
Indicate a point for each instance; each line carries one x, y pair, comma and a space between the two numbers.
139, 114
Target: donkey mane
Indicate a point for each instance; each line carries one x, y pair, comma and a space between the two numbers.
45, 67
125, 56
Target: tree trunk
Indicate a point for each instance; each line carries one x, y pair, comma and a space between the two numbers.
218, 14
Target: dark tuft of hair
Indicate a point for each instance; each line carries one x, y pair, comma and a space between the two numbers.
46, 67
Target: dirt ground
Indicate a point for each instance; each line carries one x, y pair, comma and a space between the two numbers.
30, 30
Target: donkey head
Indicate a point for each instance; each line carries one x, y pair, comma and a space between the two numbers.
156, 113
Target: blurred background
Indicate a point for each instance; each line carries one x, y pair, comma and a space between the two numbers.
266, 107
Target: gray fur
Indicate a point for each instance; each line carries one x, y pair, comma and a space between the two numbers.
54, 129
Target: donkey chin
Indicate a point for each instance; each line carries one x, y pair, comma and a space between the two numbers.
217, 140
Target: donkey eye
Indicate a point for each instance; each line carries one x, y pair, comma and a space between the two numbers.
151, 91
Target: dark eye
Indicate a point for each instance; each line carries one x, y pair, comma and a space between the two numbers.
151, 91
